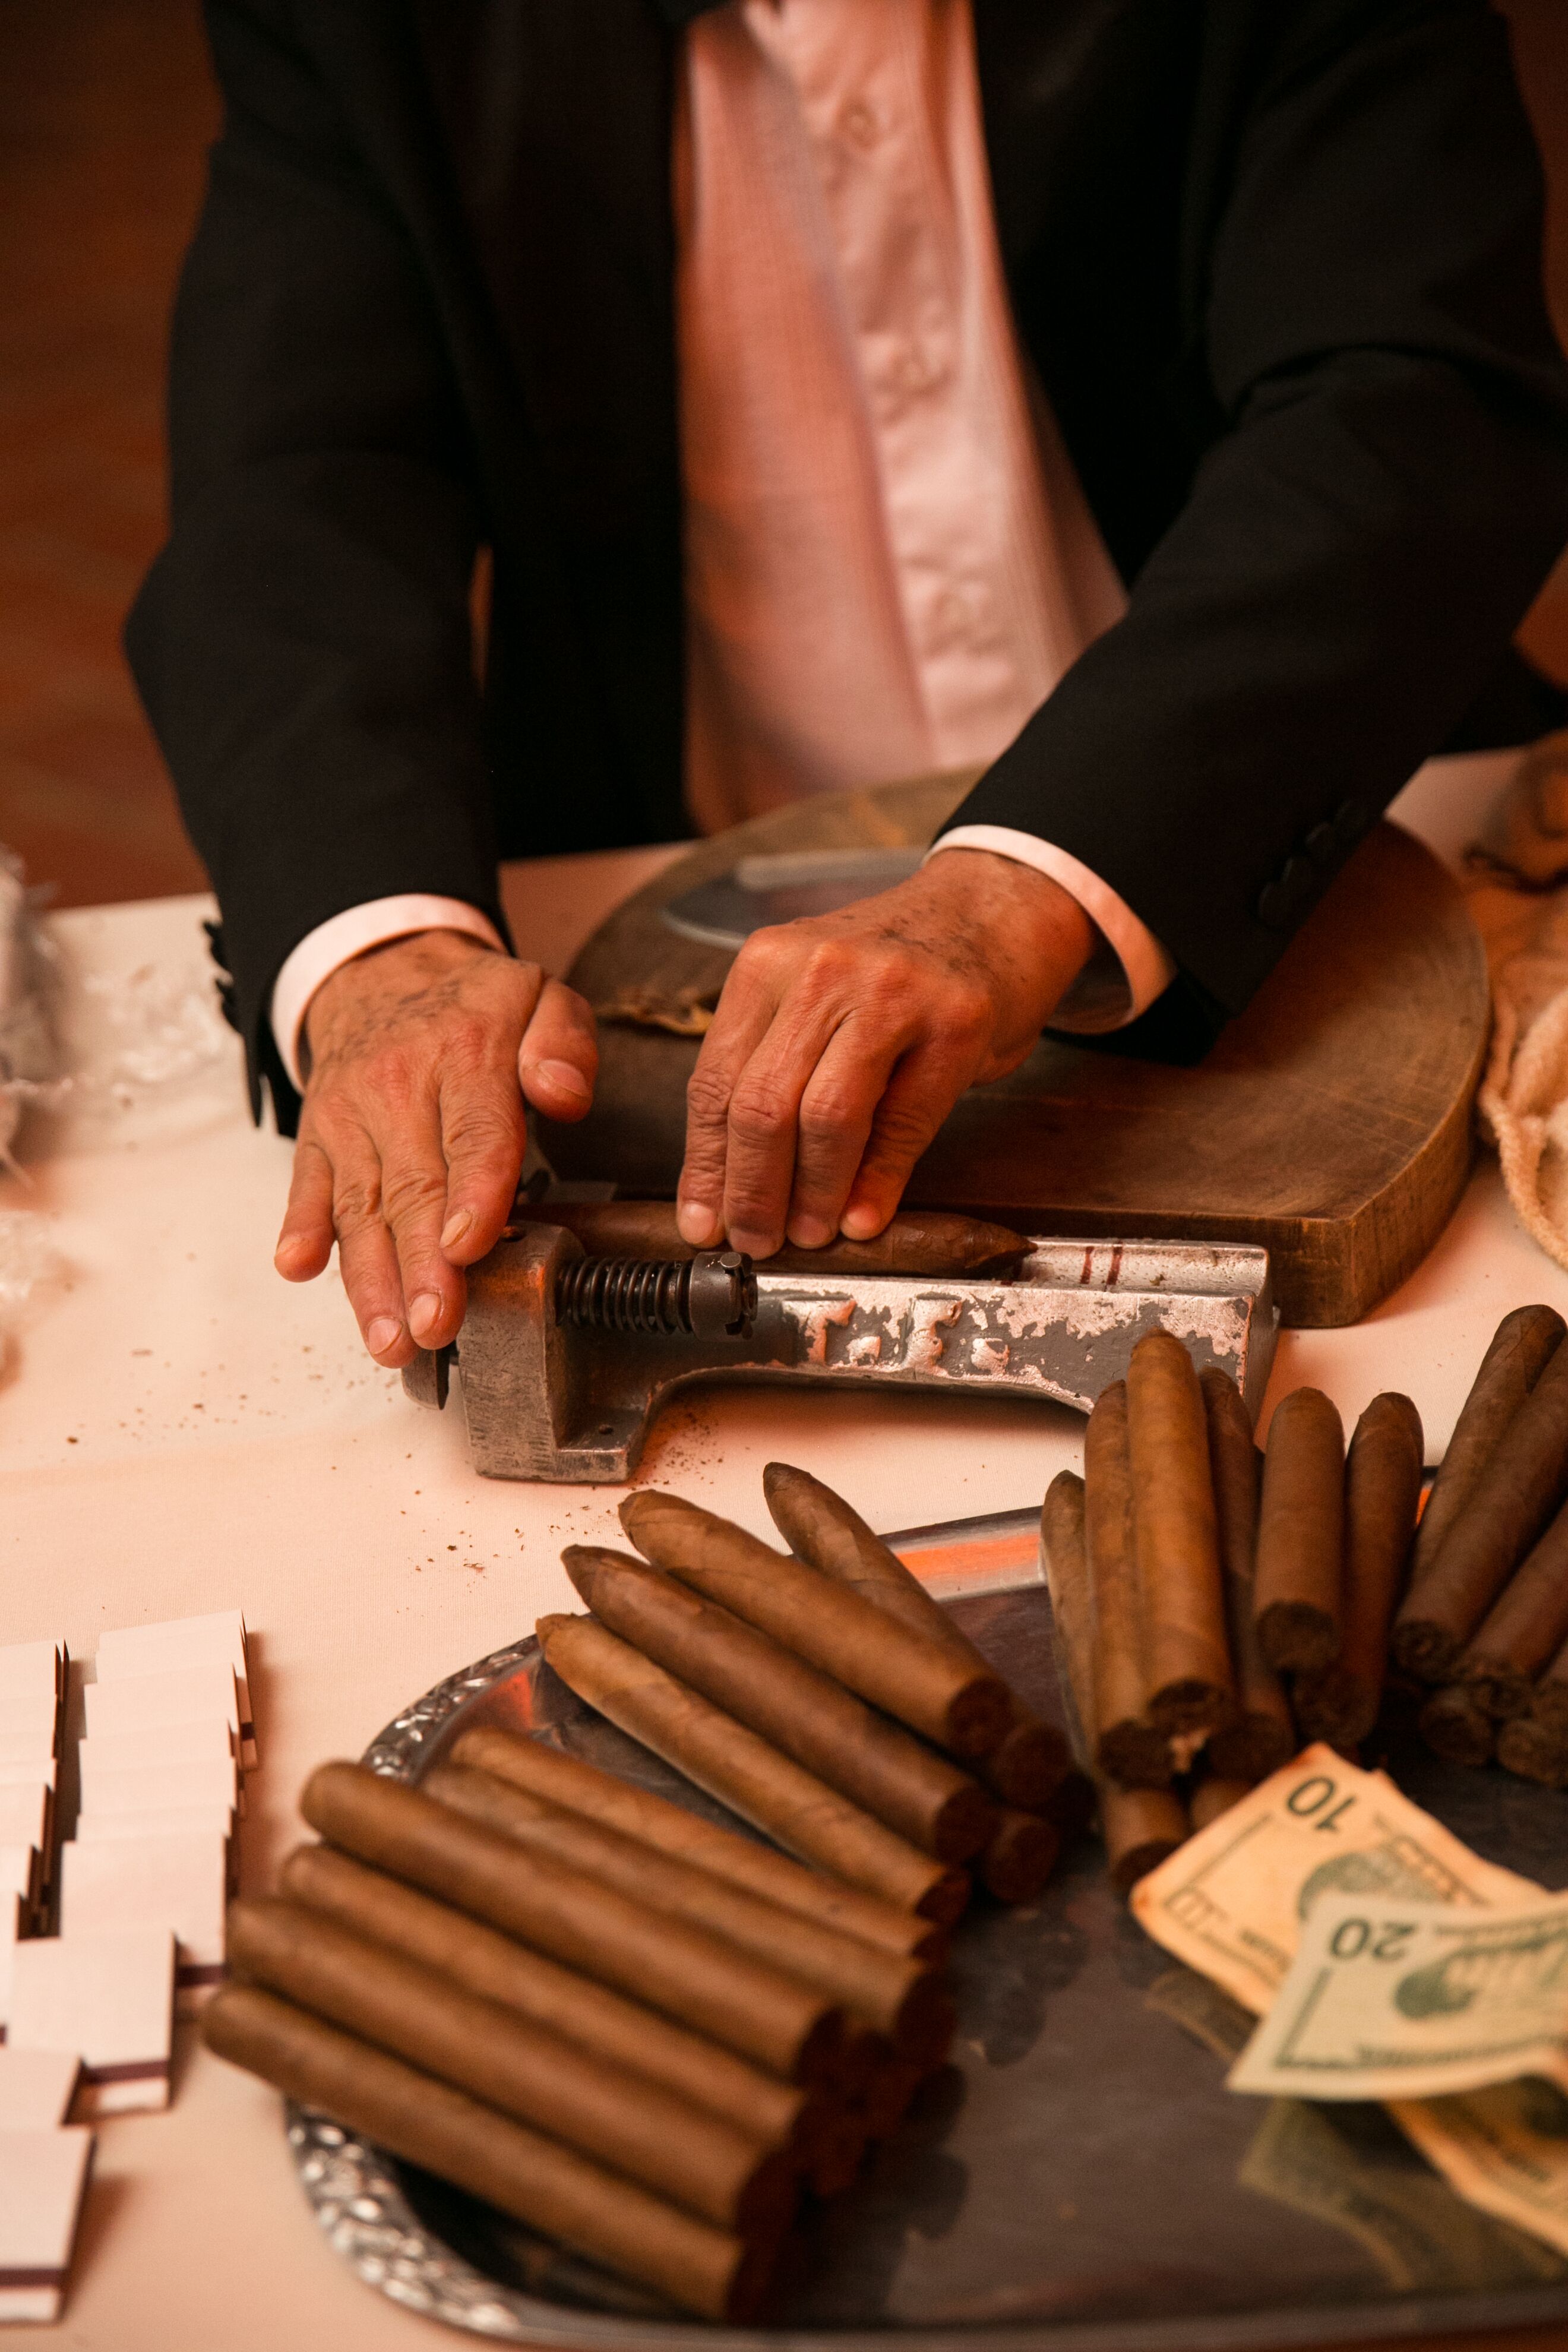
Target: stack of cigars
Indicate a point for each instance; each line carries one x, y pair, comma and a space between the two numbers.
634, 2031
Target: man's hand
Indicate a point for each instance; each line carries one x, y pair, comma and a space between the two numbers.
412, 1135
842, 1041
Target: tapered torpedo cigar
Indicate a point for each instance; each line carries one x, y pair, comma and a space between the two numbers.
1523, 1630
536, 2181
802, 1711
1454, 1727
1131, 1749
1534, 1751
1176, 1538
770, 1790
1521, 1347
1340, 1703
1141, 1826
694, 2158
774, 2113
1263, 1736
1519, 1489
1214, 1795
583, 1788
901, 1998
688, 1974
917, 1241
1299, 1584
1549, 1705
1020, 1856
917, 1680
1029, 1762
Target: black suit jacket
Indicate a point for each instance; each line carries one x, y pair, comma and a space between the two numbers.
1278, 263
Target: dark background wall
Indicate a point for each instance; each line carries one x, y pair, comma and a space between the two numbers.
105, 110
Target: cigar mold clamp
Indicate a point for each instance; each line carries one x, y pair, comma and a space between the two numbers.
564, 1360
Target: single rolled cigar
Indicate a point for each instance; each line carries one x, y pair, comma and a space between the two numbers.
1521, 1347
918, 1681
800, 1710
695, 1977
1454, 1727
1534, 1751
550, 2188
770, 1790
696, 2160
1070, 1806
583, 1788
1141, 1826
1519, 1489
1299, 1584
1214, 1795
1263, 1736
1549, 1705
1340, 1702
1523, 1630
1020, 1857
840, 2151
900, 1998
1131, 1749
916, 1241
1027, 1763
773, 2113
1190, 1683
886, 2099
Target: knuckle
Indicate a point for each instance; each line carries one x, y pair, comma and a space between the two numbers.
356, 1202
826, 1117
707, 1095
759, 1112
411, 1192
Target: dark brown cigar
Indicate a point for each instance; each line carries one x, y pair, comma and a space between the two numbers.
694, 2158
1190, 1679
900, 1998
1132, 1750
1519, 1489
1141, 1826
1453, 1726
1019, 1859
1523, 1630
1263, 1736
918, 1681
1297, 1592
744, 1772
1028, 1764
1214, 1795
1533, 1752
1523, 1345
840, 2152
695, 1977
583, 1788
1383, 1489
535, 2179
801, 1710
1070, 1808
885, 2100
620, 2032
1550, 1705
917, 1241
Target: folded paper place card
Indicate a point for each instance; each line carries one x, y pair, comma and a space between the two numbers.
109, 1997
177, 1695
156, 1788
157, 1743
35, 2087
133, 1651
40, 1766
28, 1669
30, 1731
42, 2177
19, 1871
178, 1883
25, 1812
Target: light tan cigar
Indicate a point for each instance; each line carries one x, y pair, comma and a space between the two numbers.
1298, 1593
693, 1977
1521, 1347
583, 1788
774, 2113
535, 2179
1520, 1487
1132, 1749
1533, 1752
744, 1772
1454, 1727
1339, 1702
1263, 1736
1027, 1763
1523, 1630
1213, 1796
1141, 1826
901, 1998
1190, 1683
694, 2158
1549, 1705
1020, 1858
917, 1241
913, 1678
802, 1711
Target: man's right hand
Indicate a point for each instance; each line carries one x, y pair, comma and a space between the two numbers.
411, 1140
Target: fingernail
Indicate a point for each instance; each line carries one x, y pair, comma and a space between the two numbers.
697, 1224
459, 1223
753, 1244
811, 1232
383, 1334
424, 1314
861, 1223
562, 1078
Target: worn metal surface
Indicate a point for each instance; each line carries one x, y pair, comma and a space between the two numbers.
548, 1401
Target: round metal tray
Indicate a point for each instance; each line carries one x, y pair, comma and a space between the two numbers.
1078, 2179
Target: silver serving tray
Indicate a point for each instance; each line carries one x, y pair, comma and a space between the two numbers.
1078, 2180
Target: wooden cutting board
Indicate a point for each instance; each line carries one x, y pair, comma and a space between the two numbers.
1332, 1122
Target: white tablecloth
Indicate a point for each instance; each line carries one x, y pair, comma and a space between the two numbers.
179, 1431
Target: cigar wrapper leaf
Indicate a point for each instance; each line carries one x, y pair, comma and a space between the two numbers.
1300, 1577
1520, 1347
1191, 1682
1131, 1749
1263, 1736
1382, 1491
1524, 1628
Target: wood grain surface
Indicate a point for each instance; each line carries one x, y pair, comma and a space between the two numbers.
1332, 1122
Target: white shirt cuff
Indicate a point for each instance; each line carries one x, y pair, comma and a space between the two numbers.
1128, 971
353, 933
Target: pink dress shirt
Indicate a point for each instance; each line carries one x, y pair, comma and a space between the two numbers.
889, 561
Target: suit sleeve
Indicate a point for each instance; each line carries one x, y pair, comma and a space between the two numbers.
302, 642
1387, 491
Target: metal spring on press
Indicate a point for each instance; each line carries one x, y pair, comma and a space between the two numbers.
709, 1297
